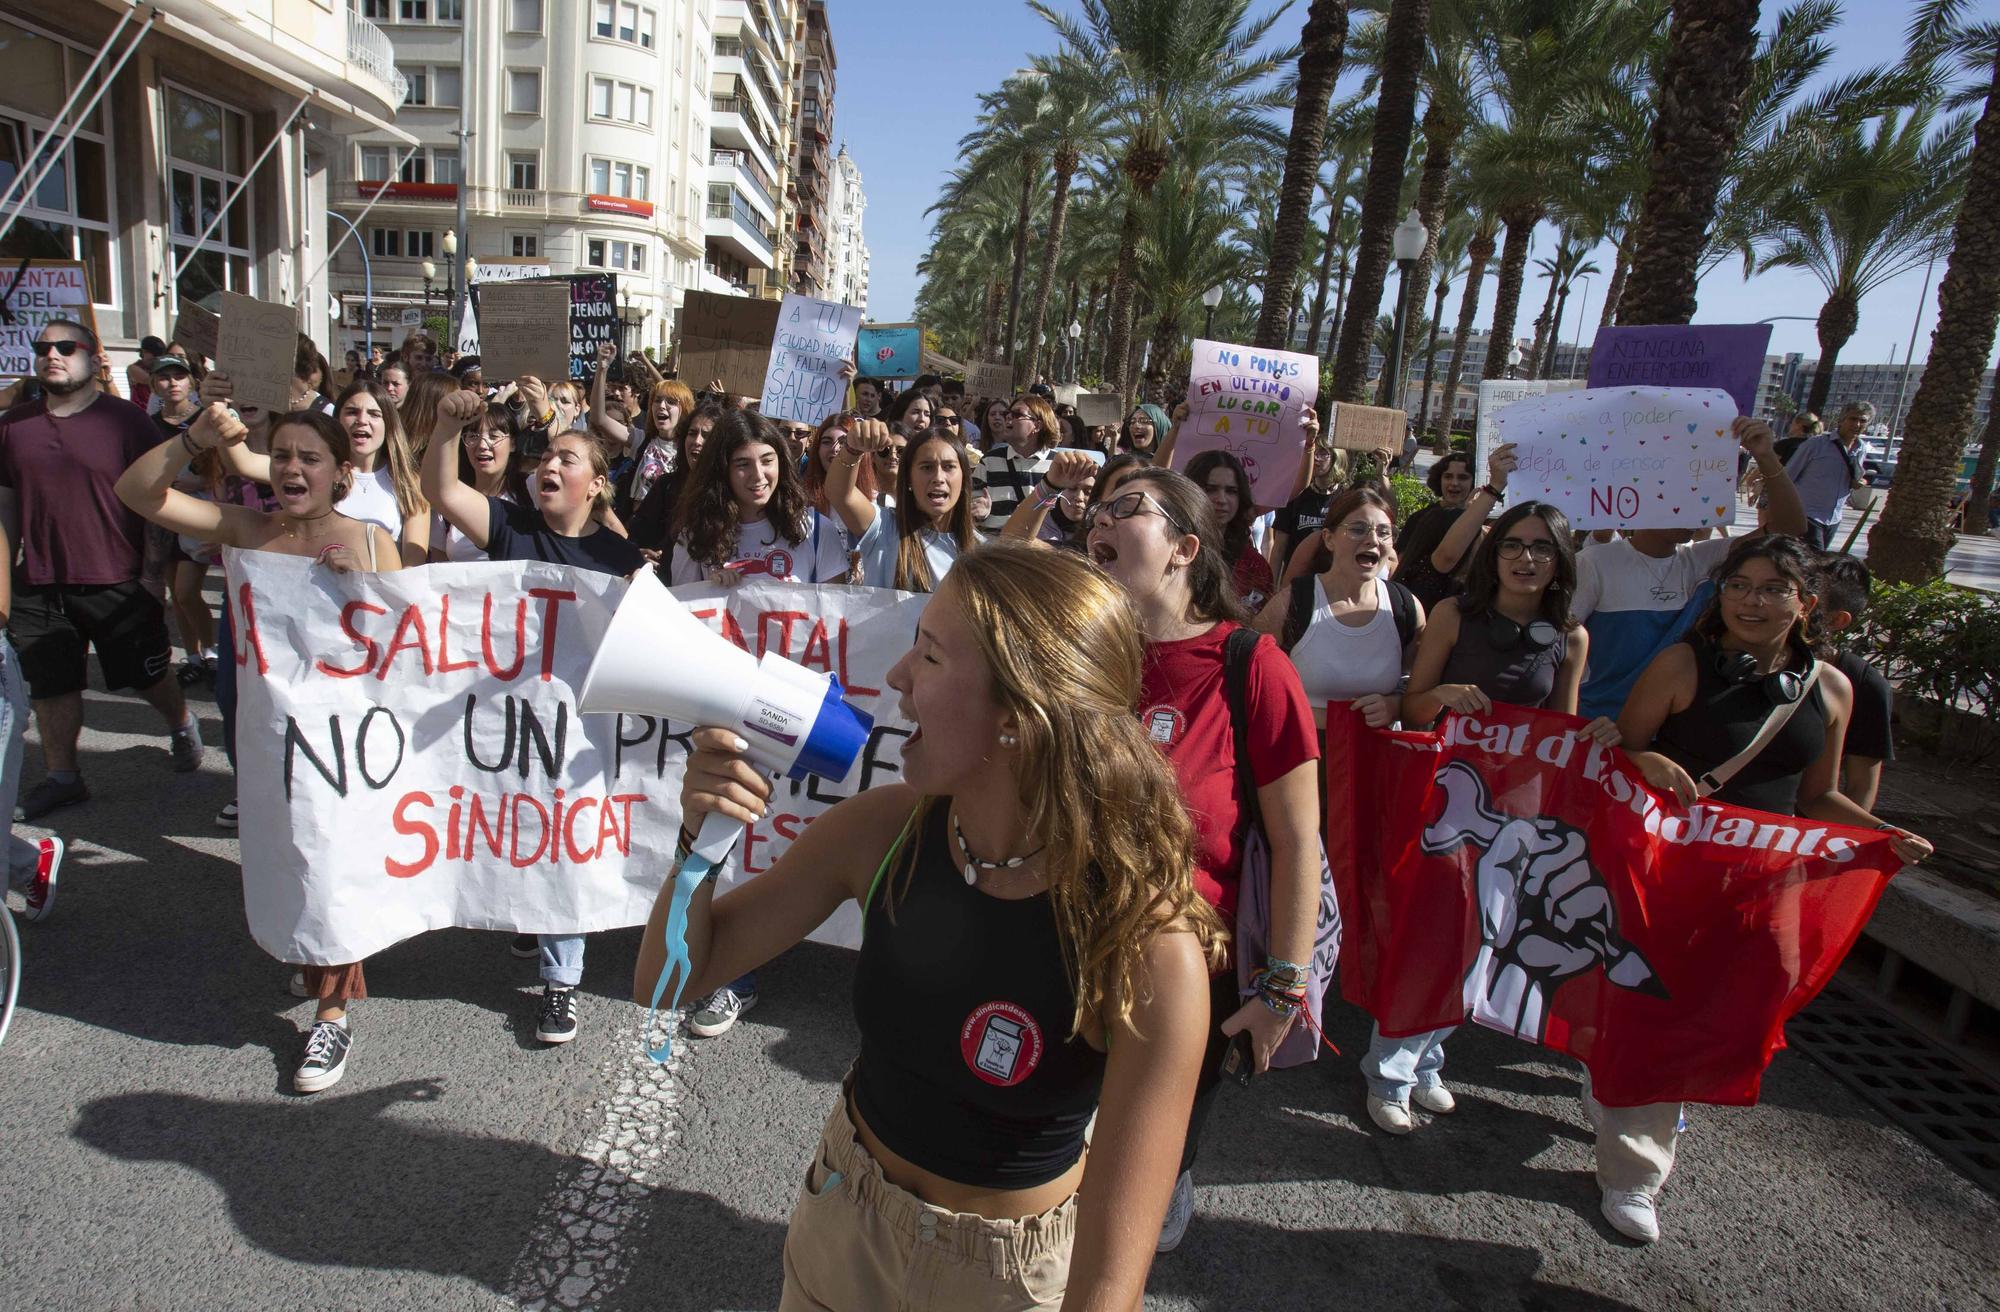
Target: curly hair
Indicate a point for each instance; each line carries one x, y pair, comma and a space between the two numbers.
707, 517
1795, 562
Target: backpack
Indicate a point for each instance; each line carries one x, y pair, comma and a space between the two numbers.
1299, 610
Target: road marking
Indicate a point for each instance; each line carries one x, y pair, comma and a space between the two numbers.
575, 1257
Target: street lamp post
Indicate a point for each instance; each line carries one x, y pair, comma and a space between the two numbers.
451, 313
1075, 331
1210, 298
1410, 239
430, 280
1513, 359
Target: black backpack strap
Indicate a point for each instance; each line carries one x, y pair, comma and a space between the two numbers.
1298, 612
1403, 605
1236, 654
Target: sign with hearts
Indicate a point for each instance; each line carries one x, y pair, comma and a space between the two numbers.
1626, 457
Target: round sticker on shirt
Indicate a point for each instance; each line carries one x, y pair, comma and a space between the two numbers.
780, 563
1163, 724
1001, 1043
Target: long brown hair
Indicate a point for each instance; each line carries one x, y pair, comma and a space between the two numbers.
1211, 576
419, 410
1794, 561
913, 567
403, 463
1062, 644
706, 517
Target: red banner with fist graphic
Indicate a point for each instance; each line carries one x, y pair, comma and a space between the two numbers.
1509, 869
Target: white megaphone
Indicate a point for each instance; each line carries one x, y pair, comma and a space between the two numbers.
657, 659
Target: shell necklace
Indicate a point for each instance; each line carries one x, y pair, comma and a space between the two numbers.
973, 864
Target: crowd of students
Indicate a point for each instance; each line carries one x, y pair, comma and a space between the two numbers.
1128, 634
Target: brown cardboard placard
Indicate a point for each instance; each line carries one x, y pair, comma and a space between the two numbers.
524, 329
1369, 427
196, 328
990, 381
726, 337
1100, 409
256, 345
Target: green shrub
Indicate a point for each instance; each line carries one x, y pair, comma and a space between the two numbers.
1412, 495
1936, 641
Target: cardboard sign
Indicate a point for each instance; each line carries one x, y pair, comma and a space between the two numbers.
1728, 356
813, 339
1369, 428
524, 328
890, 350
1100, 409
257, 344
1246, 400
727, 338
1626, 457
45, 290
989, 382
1066, 394
198, 328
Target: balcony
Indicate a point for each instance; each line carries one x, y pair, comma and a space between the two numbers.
369, 51
735, 227
733, 124
738, 169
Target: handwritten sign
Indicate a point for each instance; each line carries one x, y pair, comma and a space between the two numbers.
197, 327
890, 350
989, 382
1495, 395
257, 345
1728, 356
803, 383
1246, 400
1626, 457
1369, 427
1097, 409
45, 290
593, 318
524, 328
726, 338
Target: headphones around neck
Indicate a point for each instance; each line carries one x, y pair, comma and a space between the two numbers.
1781, 687
1505, 634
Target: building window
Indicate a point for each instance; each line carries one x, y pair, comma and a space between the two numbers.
524, 91
444, 167
524, 170
415, 169
420, 245
387, 243
621, 102
379, 11
414, 11
446, 87
608, 253
207, 150
525, 245
524, 15
375, 161
615, 177
419, 81
621, 20
451, 11
68, 217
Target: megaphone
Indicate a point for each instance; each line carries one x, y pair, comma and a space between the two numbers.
658, 659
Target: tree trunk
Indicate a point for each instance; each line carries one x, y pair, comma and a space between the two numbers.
1166, 340
1478, 255
1909, 542
1507, 300
1838, 319
1556, 333
989, 331
1051, 251
1339, 302
1404, 34
1979, 506
1703, 80
1135, 350
1320, 46
1030, 173
1620, 267
1118, 338
1431, 355
1089, 322
1325, 277
1441, 133
1542, 321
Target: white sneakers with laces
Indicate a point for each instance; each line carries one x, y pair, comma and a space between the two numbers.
1633, 1214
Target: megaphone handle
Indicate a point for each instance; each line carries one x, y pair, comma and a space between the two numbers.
717, 838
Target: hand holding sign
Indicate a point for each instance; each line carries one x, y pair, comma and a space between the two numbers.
1627, 457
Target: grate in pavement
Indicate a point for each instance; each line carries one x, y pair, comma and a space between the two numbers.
1946, 1105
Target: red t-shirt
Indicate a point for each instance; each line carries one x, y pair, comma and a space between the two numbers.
63, 470
1184, 704
1252, 578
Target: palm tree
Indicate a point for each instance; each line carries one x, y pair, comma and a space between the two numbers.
1478, 255
1350, 125
1007, 138
1909, 542
1183, 251
1569, 262
1382, 342
1700, 98
1451, 243
1164, 57
1404, 30
1452, 91
1567, 273
963, 286
1876, 201
1072, 115
1320, 44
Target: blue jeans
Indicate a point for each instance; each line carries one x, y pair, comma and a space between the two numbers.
22, 856
562, 959
225, 679
1393, 1067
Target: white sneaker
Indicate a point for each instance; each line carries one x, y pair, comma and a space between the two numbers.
226, 817
296, 985
1435, 1098
1392, 1117
1632, 1214
1180, 1210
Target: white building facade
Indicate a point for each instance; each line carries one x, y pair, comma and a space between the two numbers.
753, 83
847, 250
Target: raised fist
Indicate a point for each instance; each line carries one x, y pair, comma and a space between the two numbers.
217, 425
1068, 469
868, 435
457, 410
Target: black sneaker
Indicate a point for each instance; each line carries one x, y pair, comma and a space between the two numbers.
48, 795
526, 946
326, 1057
557, 1023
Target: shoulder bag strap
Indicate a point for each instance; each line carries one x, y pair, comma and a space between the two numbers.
1236, 653
1714, 780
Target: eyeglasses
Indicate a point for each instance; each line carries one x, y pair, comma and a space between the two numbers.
62, 346
1369, 532
1126, 505
1539, 552
477, 438
1776, 593
1020, 414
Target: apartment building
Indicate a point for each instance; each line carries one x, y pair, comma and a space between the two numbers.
847, 250
576, 134
755, 71
1890, 388
810, 184
184, 149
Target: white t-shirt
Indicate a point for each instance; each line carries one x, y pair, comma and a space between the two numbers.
373, 498
458, 548
820, 557
1338, 662
1635, 606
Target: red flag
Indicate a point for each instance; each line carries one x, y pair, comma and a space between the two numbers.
1508, 868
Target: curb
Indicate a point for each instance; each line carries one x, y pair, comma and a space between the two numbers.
1941, 928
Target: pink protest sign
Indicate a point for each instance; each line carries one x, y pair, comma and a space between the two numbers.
1246, 401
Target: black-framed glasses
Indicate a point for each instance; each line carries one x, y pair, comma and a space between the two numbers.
950, 421
1539, 552
1020, 414
62, 346
1124, 506
1775, 593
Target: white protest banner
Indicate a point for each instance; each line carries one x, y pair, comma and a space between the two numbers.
524, 330
257, 344
1626, 457
1100, 409
411, 756
1066, 394
992, 382
1246, 400
802, 384
43, 290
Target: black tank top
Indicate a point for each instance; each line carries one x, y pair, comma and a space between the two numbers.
1721, 721
1521, 675
967, 1069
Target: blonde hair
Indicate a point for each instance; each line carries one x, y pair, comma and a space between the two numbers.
600, 465
1062, 643
420, 408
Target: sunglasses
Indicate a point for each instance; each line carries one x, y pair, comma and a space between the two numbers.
1020, 414
63, 347
1126, 505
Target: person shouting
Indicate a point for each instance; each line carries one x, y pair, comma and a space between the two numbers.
911, 542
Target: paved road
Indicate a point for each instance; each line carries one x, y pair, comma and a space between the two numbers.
154, 1158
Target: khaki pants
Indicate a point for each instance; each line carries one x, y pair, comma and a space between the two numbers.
1635, 1145
859, 1244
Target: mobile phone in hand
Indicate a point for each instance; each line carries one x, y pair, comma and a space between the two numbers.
1239, 1063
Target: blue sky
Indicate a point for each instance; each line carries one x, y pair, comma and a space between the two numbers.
909, 86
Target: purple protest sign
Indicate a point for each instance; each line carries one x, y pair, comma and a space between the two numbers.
1725, 355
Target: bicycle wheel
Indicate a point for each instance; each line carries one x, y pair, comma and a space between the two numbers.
10, 969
